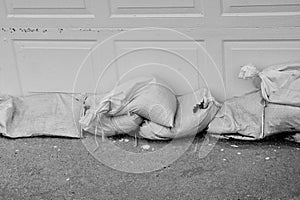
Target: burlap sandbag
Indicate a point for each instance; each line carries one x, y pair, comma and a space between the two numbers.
241, 115
50, 114
250, 117
281, 119
104, 124
6, 113
278, 83
109, 126
195, 110
144, 96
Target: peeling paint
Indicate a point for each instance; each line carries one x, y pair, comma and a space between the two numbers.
57, 30
23, 30
28, 30
101, 29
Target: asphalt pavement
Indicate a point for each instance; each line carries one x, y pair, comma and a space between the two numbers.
62, 168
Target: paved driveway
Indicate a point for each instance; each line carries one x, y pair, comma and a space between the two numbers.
61, 168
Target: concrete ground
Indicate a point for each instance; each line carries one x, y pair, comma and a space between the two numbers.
61, 168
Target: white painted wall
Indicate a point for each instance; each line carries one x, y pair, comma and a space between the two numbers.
42, 42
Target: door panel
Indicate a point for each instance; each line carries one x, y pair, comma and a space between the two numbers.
156, 8
178, 61
260, 7
43, 43
51, 65
145, 13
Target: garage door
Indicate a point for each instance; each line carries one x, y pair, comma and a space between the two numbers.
188, 43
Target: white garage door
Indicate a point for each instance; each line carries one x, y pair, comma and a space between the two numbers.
44, 42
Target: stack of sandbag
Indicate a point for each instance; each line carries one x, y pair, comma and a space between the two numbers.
50, 114
149, 103
273, 109
124, 108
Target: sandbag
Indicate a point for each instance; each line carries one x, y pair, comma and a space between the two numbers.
51, 114
250, 117
241, 115
6, 112
195, 110
144, 96
92, 102
281, 119
113, 102
104, 124
109, 126
279, 84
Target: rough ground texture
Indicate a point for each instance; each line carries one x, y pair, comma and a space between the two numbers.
61, 168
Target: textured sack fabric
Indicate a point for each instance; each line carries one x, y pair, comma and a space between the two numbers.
102, 123
247, 118
143, 96
6, 112
281, 118
195, 110
155, 102
241, 115
51, 114
113, 102
110, 126
279, 84
110, 103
